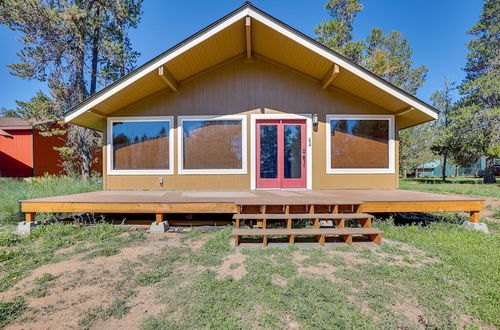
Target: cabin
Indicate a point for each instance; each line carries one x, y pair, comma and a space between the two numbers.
253, 118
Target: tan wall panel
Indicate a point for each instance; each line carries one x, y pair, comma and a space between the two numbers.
252, 87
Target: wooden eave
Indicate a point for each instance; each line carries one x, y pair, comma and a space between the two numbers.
245, 32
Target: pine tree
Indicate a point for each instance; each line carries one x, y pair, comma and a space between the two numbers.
441, 145
389, 56
476, 125
73, 45
337, 32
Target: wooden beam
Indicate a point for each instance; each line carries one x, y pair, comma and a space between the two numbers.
168, 78
248, 34
117, 207
330, 75
403, 111
97, 113
429, 206
159, 217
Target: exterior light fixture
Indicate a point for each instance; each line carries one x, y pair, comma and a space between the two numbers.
315, 119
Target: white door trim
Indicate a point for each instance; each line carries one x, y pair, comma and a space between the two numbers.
253, 147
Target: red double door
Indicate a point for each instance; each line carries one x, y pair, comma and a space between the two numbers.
281, 153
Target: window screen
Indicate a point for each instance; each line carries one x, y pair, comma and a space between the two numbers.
359, 144
141, 145
212, 144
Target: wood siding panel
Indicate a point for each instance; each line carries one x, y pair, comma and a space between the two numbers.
242, 87
16, 154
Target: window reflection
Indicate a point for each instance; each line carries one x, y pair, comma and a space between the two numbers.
292, 152
212, 144
141, 145
359, 143
268, 151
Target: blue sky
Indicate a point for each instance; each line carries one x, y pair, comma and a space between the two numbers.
436, 30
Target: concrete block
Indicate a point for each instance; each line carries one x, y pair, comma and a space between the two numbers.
25, 227
326, 223
476, 226
159, 227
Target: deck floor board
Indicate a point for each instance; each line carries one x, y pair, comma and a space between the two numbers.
255, 197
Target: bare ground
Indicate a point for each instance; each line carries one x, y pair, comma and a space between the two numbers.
83, 288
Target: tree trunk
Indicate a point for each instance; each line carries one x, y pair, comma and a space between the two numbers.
445, 159
79, 84
489, 171
122, 50
95, 56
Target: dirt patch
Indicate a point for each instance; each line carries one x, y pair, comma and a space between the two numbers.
410, 310
233, 266
279, 280
80, 285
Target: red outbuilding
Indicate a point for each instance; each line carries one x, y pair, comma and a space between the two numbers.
25, 152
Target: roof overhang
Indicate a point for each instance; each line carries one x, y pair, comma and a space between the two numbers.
244, 32
4, 133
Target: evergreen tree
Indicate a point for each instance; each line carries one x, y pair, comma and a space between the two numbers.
414, 147
73, 45
38, 107
389, 56
476, 125
442, 144
337, 32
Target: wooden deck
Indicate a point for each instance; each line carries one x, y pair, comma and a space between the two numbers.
163, 202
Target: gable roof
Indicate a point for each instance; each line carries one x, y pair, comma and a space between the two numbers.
14, 123
226, 39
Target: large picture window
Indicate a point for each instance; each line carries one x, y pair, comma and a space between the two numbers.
212, 144
140, 145
360, 144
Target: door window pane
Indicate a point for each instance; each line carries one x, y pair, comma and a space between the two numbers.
141, 145
292, 152
359, 143
268, 151
212, 144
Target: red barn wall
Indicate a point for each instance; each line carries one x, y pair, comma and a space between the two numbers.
46, 159
16, 155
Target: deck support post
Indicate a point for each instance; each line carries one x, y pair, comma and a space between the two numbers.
160, 226
474, 223
347, 239
30, 216
24, 227
474, 216
375, 238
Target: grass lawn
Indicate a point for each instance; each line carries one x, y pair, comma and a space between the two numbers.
465, 186
12, 190
440, 276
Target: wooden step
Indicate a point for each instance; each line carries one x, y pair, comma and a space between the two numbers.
281, 216
305, 231
373, 234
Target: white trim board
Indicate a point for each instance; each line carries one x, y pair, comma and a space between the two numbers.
271, 23
391, 146
253, 147
109, 145
244, 149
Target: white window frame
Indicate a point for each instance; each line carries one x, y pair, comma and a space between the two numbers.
253, 147
109, 146
222, 171
391, 146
